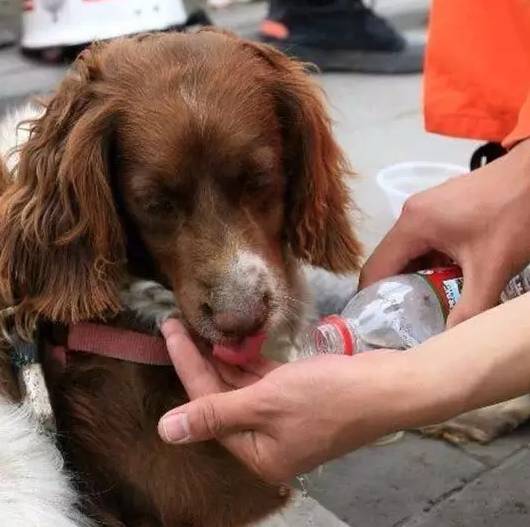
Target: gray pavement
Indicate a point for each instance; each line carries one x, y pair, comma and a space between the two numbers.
414, 482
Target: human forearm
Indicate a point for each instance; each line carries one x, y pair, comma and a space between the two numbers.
479, 362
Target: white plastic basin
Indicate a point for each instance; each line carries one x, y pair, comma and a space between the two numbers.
402, 180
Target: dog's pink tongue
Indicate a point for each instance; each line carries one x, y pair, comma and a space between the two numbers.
246, 351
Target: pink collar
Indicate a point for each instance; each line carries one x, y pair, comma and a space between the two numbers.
116, 343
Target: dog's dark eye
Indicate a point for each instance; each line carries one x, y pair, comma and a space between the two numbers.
159, 206
257, 184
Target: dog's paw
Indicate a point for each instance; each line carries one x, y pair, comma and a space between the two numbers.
150, 302
484, 425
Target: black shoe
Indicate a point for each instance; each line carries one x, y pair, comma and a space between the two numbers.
340, 35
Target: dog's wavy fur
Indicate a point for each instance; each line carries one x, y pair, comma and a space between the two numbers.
78, 217
63, 251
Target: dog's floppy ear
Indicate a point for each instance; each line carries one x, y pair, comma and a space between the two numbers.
61, 244
318, 225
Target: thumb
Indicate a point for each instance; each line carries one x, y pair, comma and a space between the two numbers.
482, 289
209, 417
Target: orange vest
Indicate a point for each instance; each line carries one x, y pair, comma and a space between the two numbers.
477, 70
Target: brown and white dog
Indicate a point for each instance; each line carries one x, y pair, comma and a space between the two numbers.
203, 162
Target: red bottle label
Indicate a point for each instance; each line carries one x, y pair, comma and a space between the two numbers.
447, 283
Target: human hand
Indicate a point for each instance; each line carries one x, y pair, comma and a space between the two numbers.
480, 220
281, 420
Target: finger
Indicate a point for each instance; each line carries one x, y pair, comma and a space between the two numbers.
483, 285
233, 375
261, 366
173, 326
195, 372
209, 417
245, 374
393, 254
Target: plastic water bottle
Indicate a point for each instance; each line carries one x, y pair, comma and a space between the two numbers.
397, 313
517, 286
